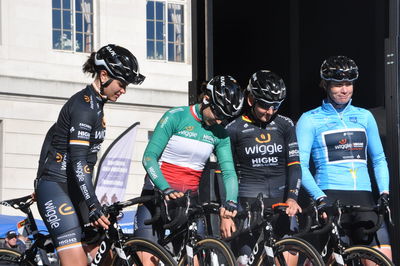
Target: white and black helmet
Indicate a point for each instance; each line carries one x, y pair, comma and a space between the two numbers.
339, 68
226, 96
120, 63
267, 86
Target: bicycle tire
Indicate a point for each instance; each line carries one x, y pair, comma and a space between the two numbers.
11, 257
306, 252
210, 252
134, 245
353, 256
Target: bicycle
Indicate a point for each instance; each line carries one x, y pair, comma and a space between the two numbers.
124, 248
196, 248
41, 251
269, 248
341, 253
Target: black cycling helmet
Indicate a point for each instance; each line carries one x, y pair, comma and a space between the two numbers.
119, 63
267, 86
339, 68
226, 96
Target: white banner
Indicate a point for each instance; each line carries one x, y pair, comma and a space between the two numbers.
113, 169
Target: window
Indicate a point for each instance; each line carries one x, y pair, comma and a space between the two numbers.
165, 33
73, 25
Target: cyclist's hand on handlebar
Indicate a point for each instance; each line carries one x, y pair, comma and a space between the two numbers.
228, 209
322, 205
227, 227
293, 208
102, 222
97, 217
384, 199
171, 193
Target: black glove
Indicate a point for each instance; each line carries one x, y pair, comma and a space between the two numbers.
230, 206
322, 203
384, 199
95, 212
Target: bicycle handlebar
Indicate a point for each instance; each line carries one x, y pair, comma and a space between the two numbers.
115, 208
337, 209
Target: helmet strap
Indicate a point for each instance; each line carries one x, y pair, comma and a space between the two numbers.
103, 86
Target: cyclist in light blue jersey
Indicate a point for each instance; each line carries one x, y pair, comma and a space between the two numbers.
340, 137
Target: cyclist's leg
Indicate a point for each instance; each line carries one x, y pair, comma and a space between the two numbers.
60, 217
382, 241
150, 232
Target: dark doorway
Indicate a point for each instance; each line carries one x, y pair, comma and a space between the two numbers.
292, 38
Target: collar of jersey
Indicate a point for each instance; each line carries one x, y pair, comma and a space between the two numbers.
195, 111
327, 106
97, 95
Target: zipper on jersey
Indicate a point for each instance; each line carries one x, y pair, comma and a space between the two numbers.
353, 171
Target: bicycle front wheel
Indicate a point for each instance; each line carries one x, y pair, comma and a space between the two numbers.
363, 255
139, 250
292, 251
11, 257
210, 252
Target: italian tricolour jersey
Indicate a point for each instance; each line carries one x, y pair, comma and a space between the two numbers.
180, 147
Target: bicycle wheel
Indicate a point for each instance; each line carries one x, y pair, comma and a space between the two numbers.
11, 257
211, 252
134, 246
302, 252
361, 255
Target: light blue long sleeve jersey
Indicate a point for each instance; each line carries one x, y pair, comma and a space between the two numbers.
340, 143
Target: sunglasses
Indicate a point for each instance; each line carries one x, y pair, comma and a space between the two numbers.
218, 114
267, 104
138, 79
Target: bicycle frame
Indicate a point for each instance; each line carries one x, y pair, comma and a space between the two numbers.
23, 204
333, 228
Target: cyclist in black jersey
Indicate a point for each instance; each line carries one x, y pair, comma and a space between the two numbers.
265, 152
64, 190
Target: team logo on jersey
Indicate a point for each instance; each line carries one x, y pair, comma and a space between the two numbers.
189, 128
353, 119
59, 157
64, 209
86, 98
163, 121
343, 141
86, 169
263, 138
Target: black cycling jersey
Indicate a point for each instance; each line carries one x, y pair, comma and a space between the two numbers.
66, 164
79, 132
266, 157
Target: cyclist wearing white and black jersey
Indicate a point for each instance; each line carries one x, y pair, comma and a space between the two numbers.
64, 189
265, 152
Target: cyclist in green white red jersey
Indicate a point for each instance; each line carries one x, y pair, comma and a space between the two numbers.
183, 141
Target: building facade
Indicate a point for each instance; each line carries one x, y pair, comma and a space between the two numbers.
43, 45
